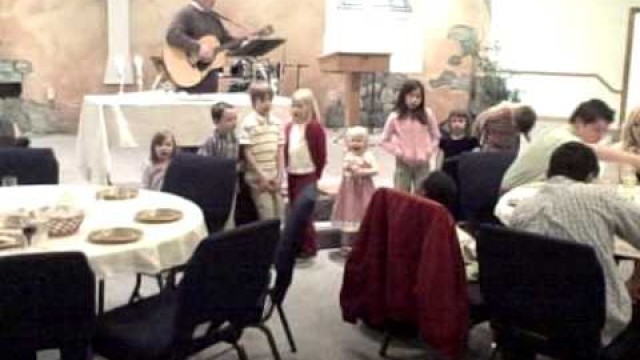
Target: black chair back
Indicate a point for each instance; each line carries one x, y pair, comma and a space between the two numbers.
479, 178
30, 165
545, 292
227, 277
207, 181
296, 222
46, 301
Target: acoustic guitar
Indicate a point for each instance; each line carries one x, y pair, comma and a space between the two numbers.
186, 70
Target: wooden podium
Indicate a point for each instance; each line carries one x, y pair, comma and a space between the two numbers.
352, 65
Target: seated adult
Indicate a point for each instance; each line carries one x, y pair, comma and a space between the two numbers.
569, 208
499, 128
440, 187
588, 124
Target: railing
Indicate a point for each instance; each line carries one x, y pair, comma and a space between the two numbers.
598, 77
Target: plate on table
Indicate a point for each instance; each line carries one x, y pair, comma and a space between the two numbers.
115, 236
117, 193
158, 216
9, 241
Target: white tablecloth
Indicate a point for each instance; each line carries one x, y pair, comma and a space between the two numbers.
131, 119
508, 202
161, 247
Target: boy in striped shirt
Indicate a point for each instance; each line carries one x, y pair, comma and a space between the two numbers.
261, 139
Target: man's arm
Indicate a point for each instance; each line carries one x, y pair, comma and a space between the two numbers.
611, 154
178, 33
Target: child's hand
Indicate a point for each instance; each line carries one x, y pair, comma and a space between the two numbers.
408, 162
262, 184
273, 185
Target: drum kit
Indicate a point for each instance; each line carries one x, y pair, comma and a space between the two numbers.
246, 70
249, 65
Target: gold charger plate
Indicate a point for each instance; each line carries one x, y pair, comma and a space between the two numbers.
158, 216
115, 236
117, 193
8, 242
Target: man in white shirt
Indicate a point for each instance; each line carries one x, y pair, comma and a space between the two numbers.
568, 208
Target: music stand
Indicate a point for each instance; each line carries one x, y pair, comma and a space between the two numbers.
257, 47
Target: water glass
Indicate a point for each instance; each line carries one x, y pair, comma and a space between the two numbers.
9, 180
29, 229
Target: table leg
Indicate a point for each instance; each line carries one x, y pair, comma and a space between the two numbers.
100, 296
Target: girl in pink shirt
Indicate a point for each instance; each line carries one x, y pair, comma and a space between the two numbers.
411, 134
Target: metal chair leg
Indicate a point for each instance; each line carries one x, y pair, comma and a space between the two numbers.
242, 355
135, 294
285, 325
495, 352
272, 343
160, 281
385, 345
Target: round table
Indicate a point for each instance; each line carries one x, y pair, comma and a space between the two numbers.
509, 201
161, 247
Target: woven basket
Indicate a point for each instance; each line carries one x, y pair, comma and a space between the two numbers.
64, 224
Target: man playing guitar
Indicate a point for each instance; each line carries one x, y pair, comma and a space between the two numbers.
191, 23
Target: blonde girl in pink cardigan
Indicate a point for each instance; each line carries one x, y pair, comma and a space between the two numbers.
411, 134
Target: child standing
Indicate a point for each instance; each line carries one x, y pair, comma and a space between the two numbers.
457, 137
356, 188
411, 134
163, 147
261, 140
224, 144
305, 154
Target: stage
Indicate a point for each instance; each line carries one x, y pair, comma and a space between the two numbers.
130, 120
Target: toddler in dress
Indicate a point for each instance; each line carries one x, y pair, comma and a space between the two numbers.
356, 188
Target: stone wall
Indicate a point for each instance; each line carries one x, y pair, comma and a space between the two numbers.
66, 42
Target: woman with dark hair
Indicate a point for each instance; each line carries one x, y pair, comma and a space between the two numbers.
411, 134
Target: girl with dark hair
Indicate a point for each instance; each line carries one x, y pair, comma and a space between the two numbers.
457, 134
163, 147
411, 134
